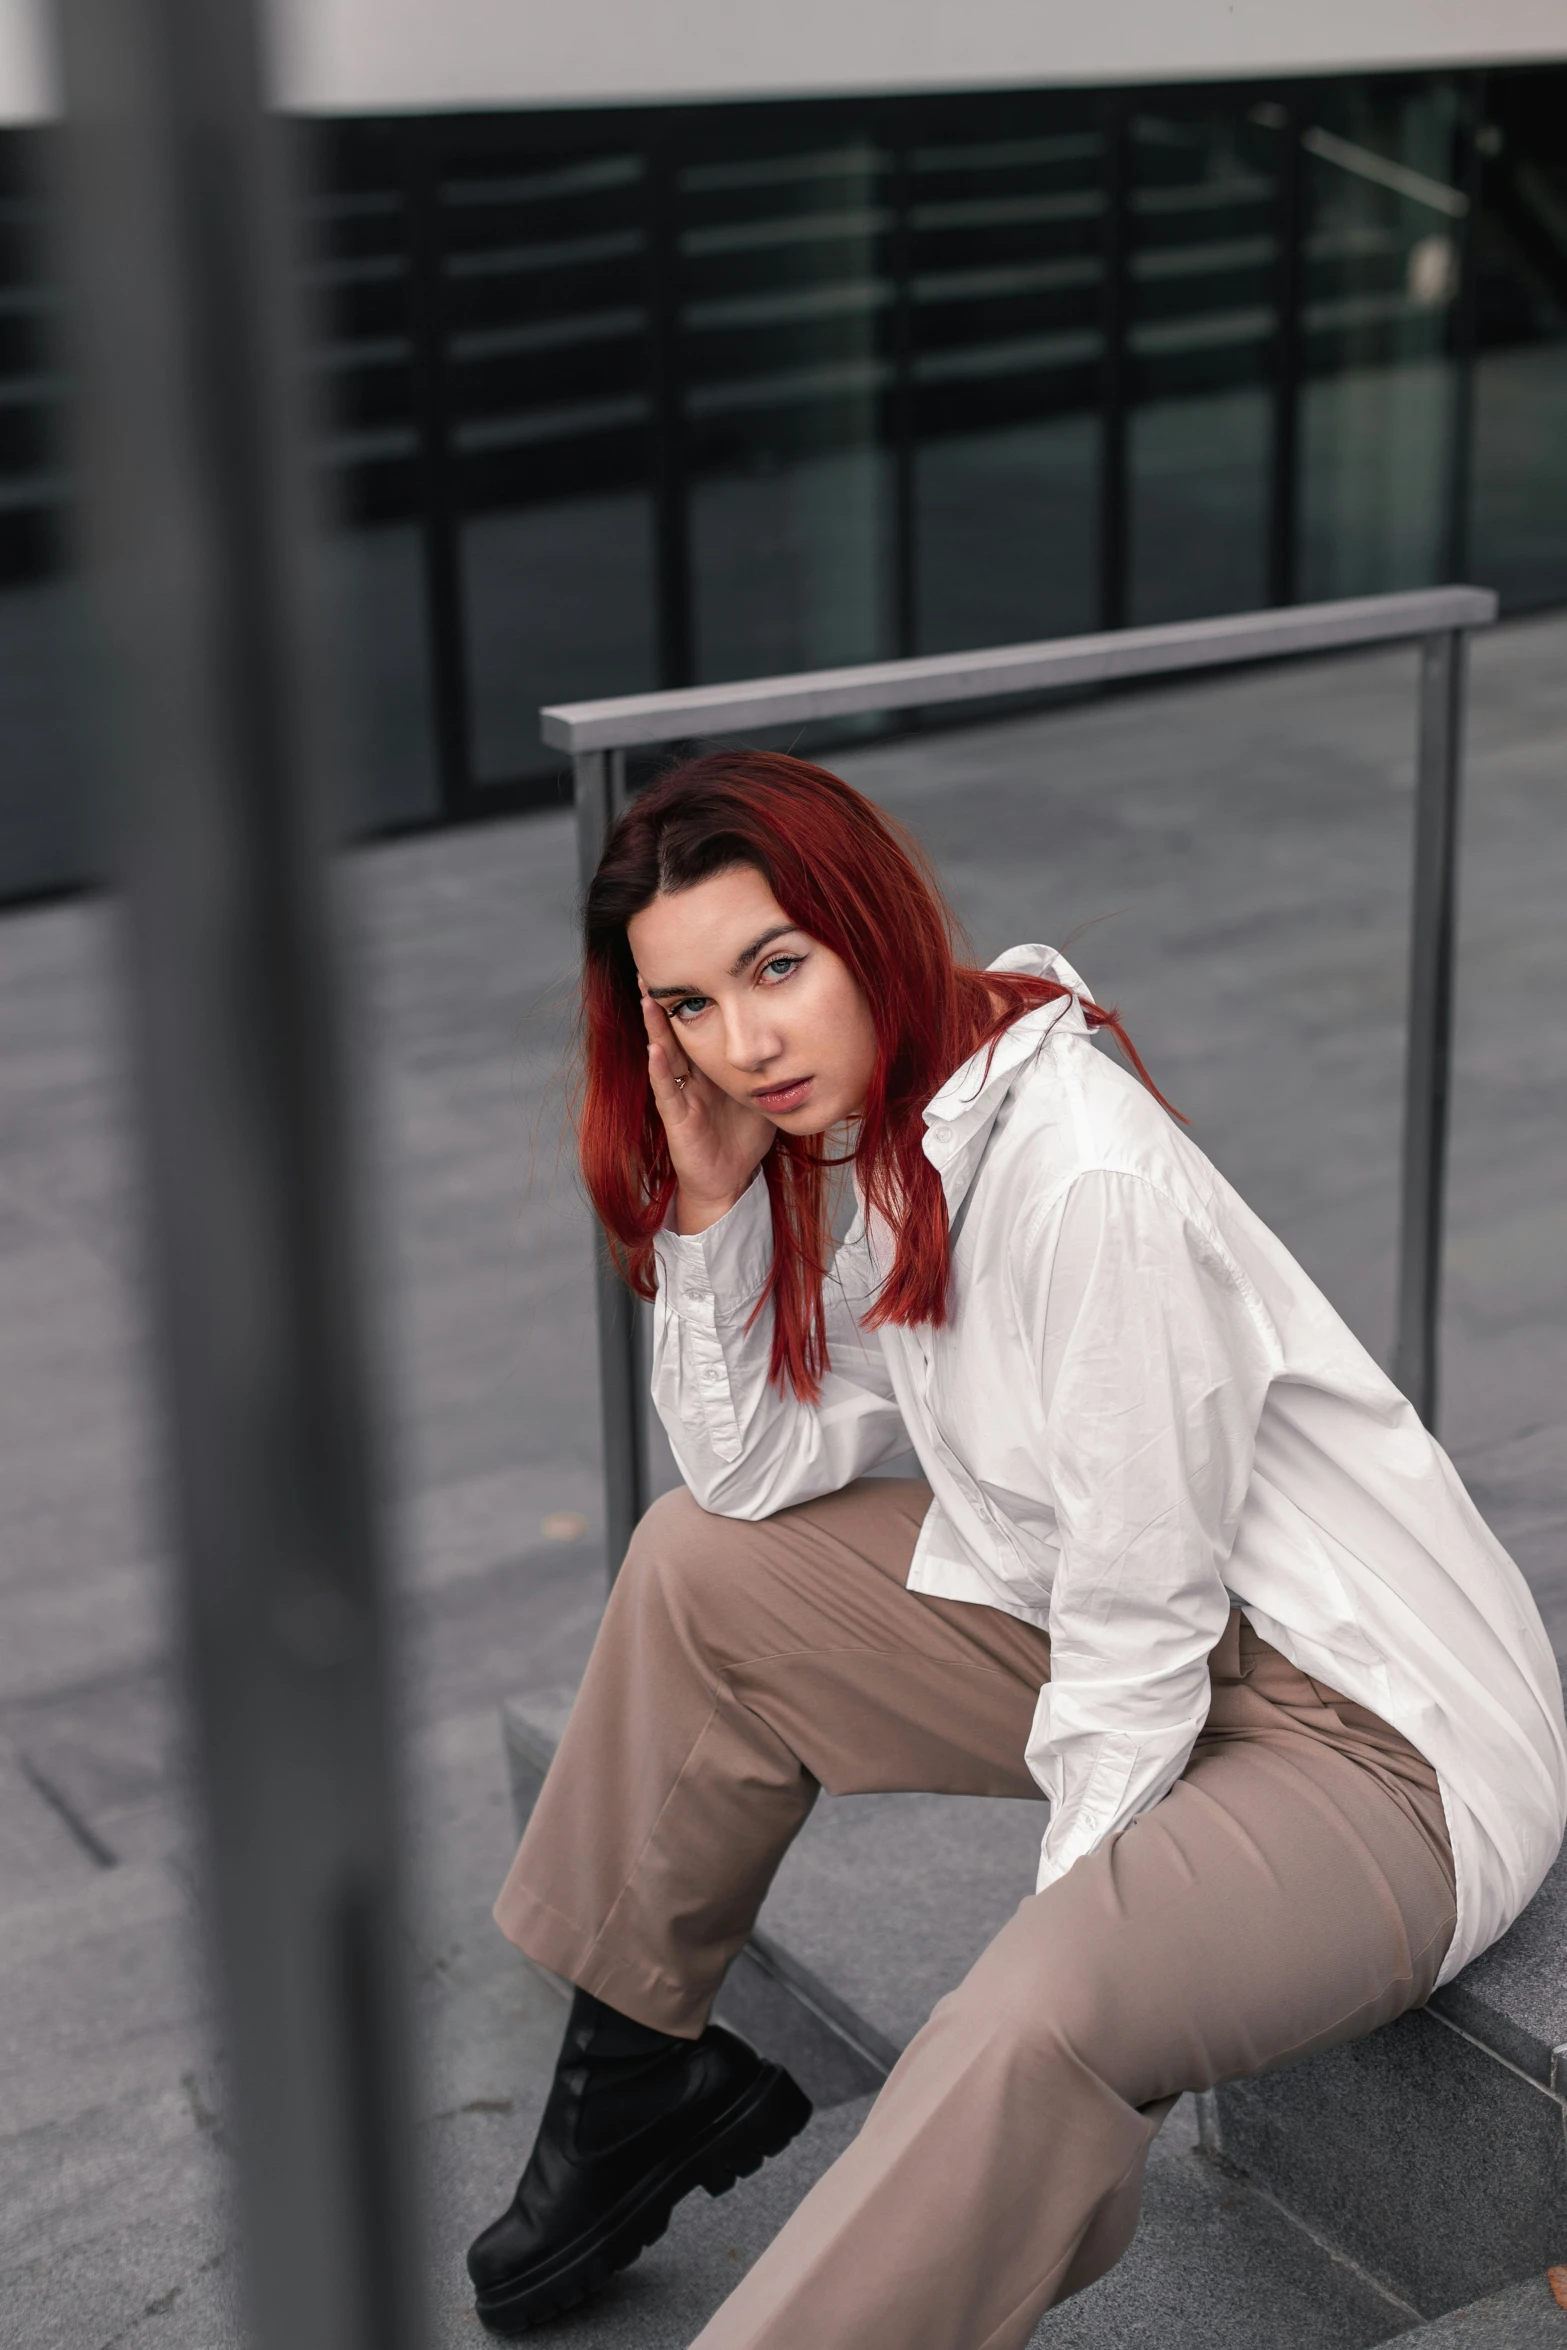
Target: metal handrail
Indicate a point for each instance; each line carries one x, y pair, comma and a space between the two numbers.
598, 735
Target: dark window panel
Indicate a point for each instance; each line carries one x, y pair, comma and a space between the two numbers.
561, 608
783, 252
1518, 523
594, 369
1202, 353
582, 287
565, 464
1381, 254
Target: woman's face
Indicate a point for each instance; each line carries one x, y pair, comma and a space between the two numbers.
766, 1012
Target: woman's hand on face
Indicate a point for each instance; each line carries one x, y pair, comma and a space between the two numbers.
715, 1143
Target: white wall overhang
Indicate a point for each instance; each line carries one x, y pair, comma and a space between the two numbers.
387, 56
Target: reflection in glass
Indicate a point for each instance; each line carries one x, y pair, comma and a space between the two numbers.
784, 309
49, 834
383, 705
559, 602
1007, 536
1007, 289
1203, 269
1381, 265
543, 274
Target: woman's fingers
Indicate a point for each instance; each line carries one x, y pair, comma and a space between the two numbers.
669, 1071
660, 1031
669, 1090
714, 1144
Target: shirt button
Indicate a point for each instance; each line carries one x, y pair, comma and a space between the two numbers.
714, 1374
699, 1296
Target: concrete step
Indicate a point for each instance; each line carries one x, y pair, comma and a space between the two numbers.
1524, 2317
1435, 2152
1220, 2257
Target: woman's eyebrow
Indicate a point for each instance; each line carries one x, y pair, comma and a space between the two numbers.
748, 955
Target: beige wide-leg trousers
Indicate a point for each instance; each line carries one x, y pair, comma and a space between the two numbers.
1293, 1890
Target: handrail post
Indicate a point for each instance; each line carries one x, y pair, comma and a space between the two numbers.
1428, 1062
600, 794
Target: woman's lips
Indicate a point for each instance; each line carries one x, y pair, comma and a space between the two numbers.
784, 1097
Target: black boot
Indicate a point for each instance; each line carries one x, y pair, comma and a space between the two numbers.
635, 2119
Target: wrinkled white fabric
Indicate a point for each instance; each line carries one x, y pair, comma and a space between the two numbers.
1139, 1413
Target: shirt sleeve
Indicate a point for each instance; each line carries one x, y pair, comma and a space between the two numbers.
1156, 1359
743, 1448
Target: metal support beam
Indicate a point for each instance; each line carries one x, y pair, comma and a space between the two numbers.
1427, 1077
600, 778
211, 621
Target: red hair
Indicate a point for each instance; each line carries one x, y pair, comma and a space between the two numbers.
854, 880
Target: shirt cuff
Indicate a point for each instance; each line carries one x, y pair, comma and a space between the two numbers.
716, 1276
1097, 1804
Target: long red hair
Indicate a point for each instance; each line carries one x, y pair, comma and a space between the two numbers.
853, 879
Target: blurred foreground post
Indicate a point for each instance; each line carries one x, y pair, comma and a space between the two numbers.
198, 540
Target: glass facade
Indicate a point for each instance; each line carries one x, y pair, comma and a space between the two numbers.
613, 399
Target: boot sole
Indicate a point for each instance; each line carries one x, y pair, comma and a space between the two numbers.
761, 2123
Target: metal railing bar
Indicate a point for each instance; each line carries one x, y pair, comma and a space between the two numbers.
643, 720
600, 794
1439, 618
1433, 940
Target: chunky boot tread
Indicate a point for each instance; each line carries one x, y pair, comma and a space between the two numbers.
772, 2111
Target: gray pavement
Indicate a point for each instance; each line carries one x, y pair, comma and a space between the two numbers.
1241, 848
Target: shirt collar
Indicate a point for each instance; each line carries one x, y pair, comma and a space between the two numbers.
959, 1118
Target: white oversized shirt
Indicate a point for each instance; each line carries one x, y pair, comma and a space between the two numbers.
1139, 1413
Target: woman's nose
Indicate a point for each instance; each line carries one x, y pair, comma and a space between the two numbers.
749, 1041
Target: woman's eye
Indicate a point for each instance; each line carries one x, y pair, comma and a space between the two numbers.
780, 966
688, 1007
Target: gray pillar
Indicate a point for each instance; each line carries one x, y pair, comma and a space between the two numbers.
1427, 1080
197, 538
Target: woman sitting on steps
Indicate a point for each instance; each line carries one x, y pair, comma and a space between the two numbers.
1180, 1558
